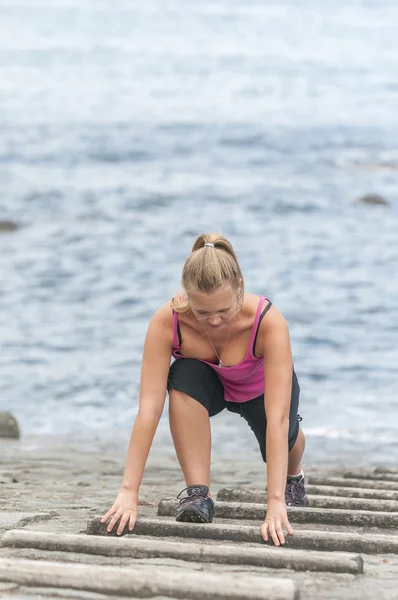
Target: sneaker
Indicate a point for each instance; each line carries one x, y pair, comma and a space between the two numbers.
295, 491
196, 506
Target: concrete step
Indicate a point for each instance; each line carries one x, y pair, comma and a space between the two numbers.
136, 547
384, 475
317, 501
393, 470
247, 510
303, 539
351, 492
147, 582
353, 482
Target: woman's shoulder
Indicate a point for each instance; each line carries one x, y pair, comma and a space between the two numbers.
162, 318
252, 302
272, 318
160, 327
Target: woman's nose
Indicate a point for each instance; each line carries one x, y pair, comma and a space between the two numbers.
214, 321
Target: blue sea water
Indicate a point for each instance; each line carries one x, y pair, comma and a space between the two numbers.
129, 127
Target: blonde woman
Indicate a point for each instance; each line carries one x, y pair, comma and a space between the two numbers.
231, 350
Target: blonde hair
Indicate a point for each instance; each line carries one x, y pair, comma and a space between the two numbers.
206, 268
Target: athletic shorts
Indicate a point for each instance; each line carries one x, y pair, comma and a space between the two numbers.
199, 381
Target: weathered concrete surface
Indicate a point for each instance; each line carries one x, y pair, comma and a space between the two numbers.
248, 510
258, 496
79, 482
145, 582
48, 593
373, 484
386, 470
351, 492
304, 539
134, 547
371, 475
13, 519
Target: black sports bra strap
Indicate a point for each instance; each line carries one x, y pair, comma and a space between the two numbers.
266, 309
178, 332
178, 329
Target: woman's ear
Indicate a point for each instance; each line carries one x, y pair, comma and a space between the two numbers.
239, 294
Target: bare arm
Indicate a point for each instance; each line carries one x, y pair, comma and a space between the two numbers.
154, 372
278, 370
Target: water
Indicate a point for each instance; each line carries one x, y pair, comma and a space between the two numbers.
128, 128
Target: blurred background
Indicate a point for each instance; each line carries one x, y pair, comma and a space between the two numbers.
127, 128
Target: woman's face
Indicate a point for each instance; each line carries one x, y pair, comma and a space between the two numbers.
215, 308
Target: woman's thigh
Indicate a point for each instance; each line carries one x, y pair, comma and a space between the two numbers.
253, 412
199, 381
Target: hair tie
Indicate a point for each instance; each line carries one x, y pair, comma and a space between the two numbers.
209, 244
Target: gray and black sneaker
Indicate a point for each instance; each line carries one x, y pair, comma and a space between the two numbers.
295, 491
196, 506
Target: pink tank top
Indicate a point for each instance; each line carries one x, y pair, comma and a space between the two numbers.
243, 381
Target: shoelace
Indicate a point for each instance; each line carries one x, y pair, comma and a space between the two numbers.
294, 492
195, 498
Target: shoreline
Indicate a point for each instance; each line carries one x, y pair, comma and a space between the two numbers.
320, 453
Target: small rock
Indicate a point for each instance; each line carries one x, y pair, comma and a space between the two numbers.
8, 426
8, 226
373, 199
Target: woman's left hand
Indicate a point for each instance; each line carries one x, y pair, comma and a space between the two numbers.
276, 517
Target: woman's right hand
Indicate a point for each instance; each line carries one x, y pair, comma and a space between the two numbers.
125, 509
276, 517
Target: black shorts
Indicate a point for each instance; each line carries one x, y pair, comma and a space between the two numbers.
198, 380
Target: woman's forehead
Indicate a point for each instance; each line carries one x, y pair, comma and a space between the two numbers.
221, 297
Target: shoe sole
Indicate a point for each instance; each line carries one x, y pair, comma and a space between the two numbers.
191, 515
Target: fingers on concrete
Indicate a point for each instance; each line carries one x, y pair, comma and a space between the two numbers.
134, 547
146, 581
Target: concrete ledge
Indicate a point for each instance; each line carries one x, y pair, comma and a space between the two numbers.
134, 547
239, 495
13, 519
247, 510
147, 582
386, 470
303, 539
372, 476
355, 482
351, 492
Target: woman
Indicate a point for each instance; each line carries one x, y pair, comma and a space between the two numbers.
232, 351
